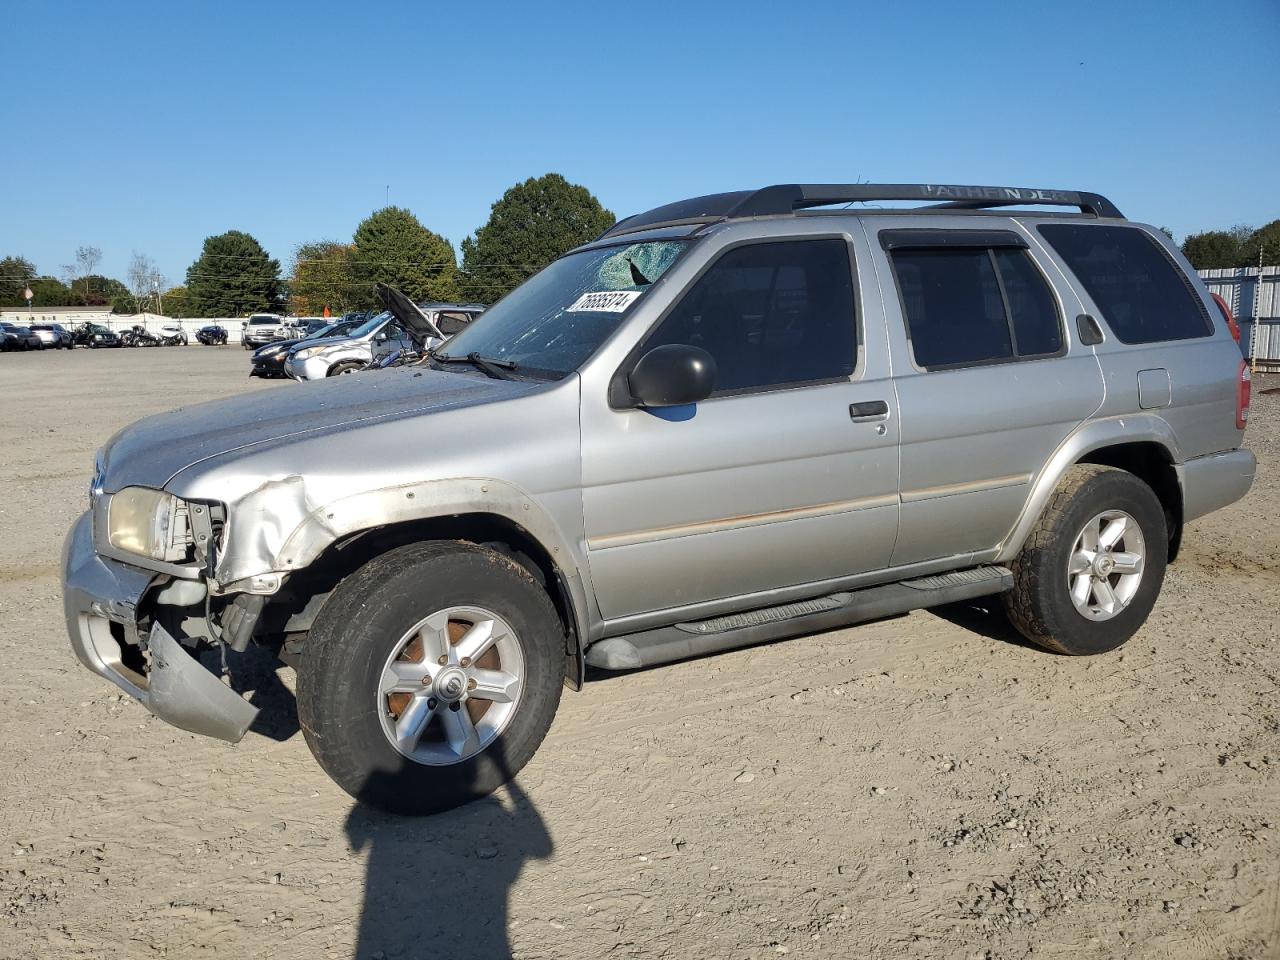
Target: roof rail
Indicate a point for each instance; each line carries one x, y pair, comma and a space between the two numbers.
787, 198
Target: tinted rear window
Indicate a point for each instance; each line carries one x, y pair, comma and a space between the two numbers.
1141, 293
972, 305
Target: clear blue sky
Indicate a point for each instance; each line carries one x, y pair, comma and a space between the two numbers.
133, 126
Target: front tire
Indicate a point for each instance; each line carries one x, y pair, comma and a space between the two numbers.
344, 367
1090, 572
430, 676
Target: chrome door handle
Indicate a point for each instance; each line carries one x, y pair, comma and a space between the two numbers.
868, 410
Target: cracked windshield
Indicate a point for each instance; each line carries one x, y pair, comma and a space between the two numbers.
553, 322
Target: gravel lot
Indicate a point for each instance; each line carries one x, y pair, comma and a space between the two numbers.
922, 787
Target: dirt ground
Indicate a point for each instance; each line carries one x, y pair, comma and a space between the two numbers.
921, 787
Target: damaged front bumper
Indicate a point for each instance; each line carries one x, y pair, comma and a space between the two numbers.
101, 598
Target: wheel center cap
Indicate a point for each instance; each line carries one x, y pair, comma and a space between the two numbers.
451, 684
1103, 566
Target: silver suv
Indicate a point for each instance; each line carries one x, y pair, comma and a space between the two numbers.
263, 328
728, 420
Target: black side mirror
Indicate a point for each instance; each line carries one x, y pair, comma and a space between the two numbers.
672, 375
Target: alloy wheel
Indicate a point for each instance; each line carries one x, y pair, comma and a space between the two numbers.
1106, 564
451, 685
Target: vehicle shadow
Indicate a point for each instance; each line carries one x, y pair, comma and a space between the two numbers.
439, 886
984, 616
256, 672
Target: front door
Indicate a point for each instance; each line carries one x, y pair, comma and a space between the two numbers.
786, 475
390, 339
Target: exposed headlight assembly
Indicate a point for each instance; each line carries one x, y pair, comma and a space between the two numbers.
307, 352
143, 521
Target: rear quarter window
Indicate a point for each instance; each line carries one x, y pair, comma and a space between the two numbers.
1141, 293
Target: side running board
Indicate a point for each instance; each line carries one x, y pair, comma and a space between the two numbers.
701, 637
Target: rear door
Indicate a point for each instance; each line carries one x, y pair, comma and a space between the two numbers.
988, 379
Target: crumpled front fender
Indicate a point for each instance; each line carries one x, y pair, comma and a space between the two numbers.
278, 528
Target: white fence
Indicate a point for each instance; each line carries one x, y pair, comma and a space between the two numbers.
153, 322
1255, 303
118, 322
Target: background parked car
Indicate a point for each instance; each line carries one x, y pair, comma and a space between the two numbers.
25, 337
139, 336
95, 335
53, 335
172, 335
335, 356
212, 335
406, 328
268, 361
301, 327
261, 329
9, 340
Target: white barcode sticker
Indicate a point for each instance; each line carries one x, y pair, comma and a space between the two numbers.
604, 301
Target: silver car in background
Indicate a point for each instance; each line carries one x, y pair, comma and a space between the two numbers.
54, 335
263, 328
333, 357
404, 327
732, 419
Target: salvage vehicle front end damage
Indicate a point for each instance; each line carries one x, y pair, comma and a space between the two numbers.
186, 549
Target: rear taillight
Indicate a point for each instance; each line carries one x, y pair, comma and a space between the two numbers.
1226, 315
1244, 393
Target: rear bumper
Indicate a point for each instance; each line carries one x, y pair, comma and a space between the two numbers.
1211, 483
100, 600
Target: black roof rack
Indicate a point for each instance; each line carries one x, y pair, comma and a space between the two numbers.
787, 198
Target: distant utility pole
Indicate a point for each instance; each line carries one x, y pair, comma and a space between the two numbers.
388, 194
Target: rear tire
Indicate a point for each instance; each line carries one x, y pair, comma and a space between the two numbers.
348, 717
1091, 570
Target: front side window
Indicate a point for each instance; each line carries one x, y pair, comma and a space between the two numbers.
771, 314
966, 306
1140, 292
553, 322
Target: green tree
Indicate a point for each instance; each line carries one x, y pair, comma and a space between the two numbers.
96, 290
323, 275
177, 302
50, 293
233, 276
532, 224
393, 247
1267, 239
15, 274
1212, 249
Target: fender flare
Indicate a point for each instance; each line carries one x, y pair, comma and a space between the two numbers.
1090, 436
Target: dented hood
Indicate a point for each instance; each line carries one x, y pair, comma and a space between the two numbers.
150, 452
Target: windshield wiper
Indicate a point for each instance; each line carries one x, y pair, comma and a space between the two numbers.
489, 366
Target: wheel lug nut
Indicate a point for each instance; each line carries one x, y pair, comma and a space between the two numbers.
426, 681
444, 658
465, 662
455, 706
431, 704
471, 684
